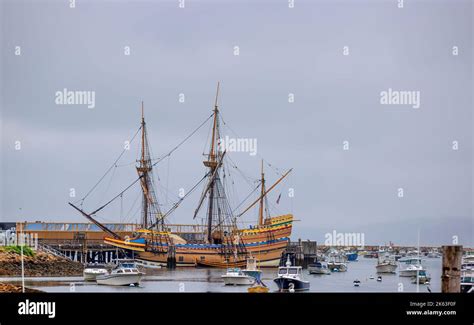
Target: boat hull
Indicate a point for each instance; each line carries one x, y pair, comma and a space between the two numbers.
119, 279
91, 275
352, 257
467, 287
337, 267
265, 243
421, 280
408, 273
318, 270
386, 268
289, 284
238, 280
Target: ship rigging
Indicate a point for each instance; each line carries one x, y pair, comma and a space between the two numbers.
223, 243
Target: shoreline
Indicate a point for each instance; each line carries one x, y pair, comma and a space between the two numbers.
41, 264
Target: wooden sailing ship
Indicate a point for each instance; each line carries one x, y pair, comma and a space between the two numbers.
223, 244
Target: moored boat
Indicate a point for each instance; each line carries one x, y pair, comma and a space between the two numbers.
352, 256
234, 276
319, 267
337, 263
91, 271
386, 264
290, 278
258, 288
467, 262
124, 274
252, 268
409, 267
421, 278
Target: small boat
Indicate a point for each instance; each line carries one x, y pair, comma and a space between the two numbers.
257, 288
318, 268
379, 278
410, 266
148, 264
290, 278
337, 263
124, 274
467, 263
356, 283
433, 254
91, 271
467, 281
386, 265
235, 276
422, 277
371, 255
371, 277
351, 256
252, 269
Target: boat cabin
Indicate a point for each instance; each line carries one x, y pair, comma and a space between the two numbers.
290, 271
411, 260
126, 268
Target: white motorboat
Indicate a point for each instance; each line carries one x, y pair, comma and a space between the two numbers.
433, 254
91, 271
252, 269
290, 278
386, 267
422, 278
319, 268
337, 263
467, 262
124, 274
386, 264
235, 276
410, 267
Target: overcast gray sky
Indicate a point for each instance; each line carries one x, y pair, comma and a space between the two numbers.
282, 50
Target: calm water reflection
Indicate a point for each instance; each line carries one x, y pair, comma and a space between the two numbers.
209, 280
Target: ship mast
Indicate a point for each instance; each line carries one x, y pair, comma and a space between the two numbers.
211, 163
262, 195
144, 170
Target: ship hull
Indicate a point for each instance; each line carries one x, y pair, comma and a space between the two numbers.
268, 255
265, 243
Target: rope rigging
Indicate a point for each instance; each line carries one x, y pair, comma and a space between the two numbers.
115, 165
182, 142
108, 170
176, 204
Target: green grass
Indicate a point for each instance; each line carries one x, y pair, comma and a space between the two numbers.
17, 249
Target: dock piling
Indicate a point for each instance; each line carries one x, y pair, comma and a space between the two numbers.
451, 271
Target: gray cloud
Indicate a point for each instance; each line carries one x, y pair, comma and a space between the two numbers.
281, 51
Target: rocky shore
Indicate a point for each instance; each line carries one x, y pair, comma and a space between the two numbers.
40, 265
8, 287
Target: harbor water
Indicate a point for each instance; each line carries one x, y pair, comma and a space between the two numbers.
190, 279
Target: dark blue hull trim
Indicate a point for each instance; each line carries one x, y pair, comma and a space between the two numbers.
284, 284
